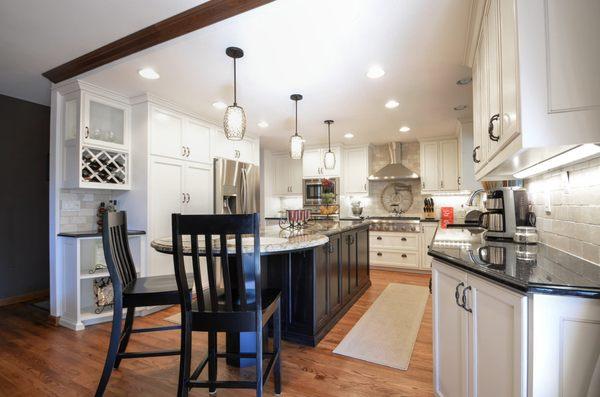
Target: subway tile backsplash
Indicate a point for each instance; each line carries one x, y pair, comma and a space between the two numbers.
572, 195
78, 208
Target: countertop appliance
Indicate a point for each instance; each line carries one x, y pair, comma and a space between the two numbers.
236, 187
506, 208
312, 191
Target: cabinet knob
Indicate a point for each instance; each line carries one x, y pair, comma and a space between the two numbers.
475, 159
403, 255
379, 254
378, 237
493, 137
403, 239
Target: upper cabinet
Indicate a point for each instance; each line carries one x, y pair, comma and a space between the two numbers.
535, 81
96, 130
439, 165
286, 175
356, 168
313, 166
177, 136
246, 150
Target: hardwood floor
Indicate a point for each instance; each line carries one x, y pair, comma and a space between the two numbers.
38, 359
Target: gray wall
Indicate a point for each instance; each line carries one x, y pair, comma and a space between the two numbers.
24, 233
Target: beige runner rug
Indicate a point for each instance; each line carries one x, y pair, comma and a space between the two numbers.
386, 333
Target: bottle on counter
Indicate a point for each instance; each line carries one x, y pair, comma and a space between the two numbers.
99, 214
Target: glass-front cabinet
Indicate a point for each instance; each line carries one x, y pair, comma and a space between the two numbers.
96, 138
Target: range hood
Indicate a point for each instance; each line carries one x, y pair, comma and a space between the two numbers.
394, 171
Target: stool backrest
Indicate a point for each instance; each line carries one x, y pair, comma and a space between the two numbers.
241, 288
116, 250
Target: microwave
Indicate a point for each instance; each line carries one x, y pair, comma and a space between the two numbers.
312, 191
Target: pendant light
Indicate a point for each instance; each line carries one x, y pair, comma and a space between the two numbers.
329, 158
234, 121
296, 141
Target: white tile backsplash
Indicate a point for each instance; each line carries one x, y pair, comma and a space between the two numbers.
79, 208
573, 222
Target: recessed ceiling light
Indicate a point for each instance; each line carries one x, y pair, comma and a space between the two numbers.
404, 128
148, 73
464, 81
219, 105
263, 124
348, 135
375, 72
391, 104
460, 107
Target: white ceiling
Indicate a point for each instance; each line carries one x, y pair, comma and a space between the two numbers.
321, 49
36, 36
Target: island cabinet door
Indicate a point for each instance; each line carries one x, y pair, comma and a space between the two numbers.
321, 285
334, 267
362, 257
345, 266
450, 332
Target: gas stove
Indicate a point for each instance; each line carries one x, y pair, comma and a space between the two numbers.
394, 223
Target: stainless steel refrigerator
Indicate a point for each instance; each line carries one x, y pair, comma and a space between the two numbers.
237, 187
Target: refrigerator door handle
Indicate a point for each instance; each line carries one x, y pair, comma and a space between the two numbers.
244, 191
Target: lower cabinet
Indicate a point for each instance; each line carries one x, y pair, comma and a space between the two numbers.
479, 336
396, 250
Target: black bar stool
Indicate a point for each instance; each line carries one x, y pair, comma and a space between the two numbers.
239, 306
130, 292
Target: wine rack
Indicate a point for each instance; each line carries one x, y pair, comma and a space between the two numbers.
104, 166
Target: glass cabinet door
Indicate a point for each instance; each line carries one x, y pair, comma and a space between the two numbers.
106, 123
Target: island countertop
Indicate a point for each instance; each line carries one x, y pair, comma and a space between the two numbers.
533, 268
273, 239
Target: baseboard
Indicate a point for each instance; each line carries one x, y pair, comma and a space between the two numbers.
36, 295
401, 269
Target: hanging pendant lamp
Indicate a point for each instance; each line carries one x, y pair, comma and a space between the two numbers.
234, 121
296, 141
329, 158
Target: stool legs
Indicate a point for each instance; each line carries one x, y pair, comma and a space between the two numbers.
185, 354
126, 334
113, 346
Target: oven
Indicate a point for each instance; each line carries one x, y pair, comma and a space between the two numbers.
313, 189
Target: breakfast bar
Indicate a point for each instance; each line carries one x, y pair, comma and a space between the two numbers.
321, 271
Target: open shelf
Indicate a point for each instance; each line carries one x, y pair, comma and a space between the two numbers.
103, 166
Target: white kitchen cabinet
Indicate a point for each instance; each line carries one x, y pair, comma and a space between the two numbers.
95, 132
286, 175
356, 170
430, 179
449, 164
178, 136
439, 165
246, 150
450, 333
395, 250
198, 188
313, 167
526, 91
466, 177
480, 336
427, 231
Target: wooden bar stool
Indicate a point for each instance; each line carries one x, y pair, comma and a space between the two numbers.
240, 306
130, 291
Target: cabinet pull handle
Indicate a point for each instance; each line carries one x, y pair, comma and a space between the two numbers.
378, 237
183, 151
189, 197
87, 132
423, 184
331, 248
403, 239
442, 184
475, 159
493, 137
379, 254
458, 181
365, 186
188, 151
457, 294
403, 255
464, 299
183, 198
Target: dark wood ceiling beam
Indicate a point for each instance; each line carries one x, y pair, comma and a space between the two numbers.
206, 14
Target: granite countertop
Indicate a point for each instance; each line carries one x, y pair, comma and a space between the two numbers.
532, 268
272, 238
95, 233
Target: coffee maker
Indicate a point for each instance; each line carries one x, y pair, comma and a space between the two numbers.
506, 208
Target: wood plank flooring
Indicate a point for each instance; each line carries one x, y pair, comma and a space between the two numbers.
38, 359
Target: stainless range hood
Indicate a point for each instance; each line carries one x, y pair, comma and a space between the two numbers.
394, 171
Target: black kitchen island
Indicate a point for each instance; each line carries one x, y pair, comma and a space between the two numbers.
321, 271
